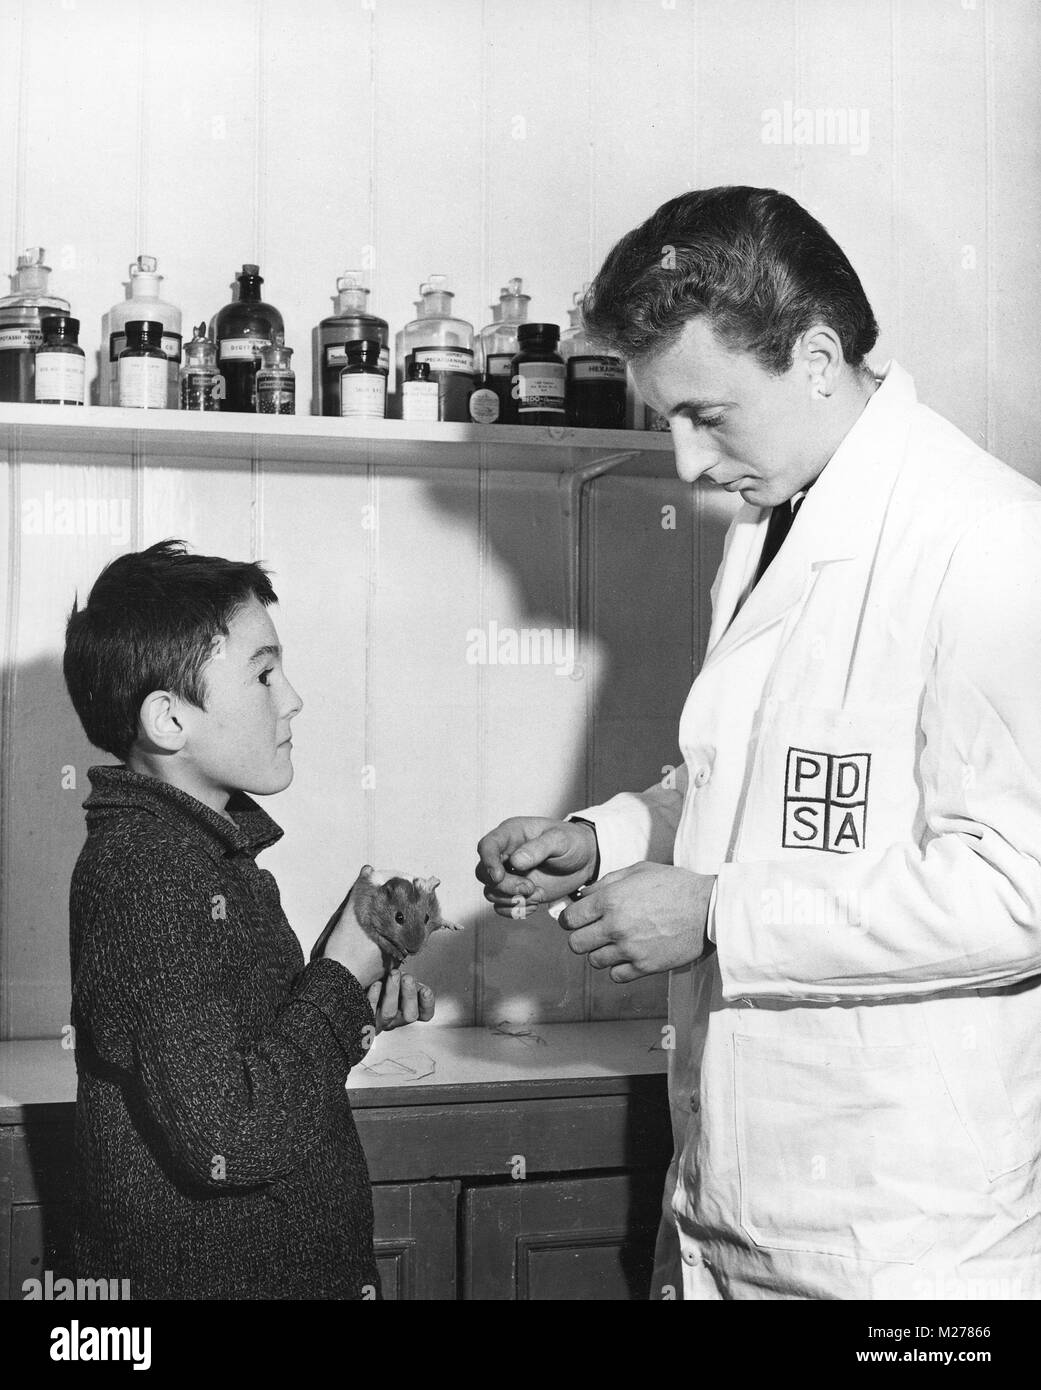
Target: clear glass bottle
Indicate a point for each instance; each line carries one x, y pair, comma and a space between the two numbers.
240, 330
497, 342
363, 381
276, 381
351, 323
61, 366
202, 386
21, 324
142, 366
445, 343
395, 400
537, 375
595, 384
143, 303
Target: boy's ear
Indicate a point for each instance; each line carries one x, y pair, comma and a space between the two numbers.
159, 722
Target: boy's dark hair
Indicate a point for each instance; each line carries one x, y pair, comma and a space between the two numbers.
149, 624
754, 262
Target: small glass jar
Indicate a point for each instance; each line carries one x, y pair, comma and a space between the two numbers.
202, 386
276, 381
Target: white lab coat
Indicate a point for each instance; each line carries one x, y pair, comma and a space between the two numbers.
856, 1079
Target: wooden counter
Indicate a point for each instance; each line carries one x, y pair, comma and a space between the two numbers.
507, 1163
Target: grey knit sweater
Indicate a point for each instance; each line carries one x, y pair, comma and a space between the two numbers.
216, 1152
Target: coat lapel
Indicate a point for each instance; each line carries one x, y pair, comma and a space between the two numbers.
840, 518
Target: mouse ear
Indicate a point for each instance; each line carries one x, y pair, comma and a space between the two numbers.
426, 885
366, 872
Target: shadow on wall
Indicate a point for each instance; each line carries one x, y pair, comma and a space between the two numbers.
539, 602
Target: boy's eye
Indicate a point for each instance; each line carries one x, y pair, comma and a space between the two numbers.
706, 422
262, 678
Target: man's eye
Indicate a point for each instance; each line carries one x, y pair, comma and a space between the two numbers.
262, 678
706, 422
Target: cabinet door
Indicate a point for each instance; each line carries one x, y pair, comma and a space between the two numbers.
415, 1239
582, 1239
41, 1240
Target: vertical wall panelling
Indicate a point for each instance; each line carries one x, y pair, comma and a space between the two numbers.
482, 140
1014, 202
942, 228
74, 516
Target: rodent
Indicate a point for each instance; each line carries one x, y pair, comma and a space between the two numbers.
398, 914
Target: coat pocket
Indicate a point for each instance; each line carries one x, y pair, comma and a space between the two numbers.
840, 1148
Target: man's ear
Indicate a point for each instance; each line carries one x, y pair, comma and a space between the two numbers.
159, 722
821, 351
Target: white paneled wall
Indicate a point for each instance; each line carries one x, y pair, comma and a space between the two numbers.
482, 140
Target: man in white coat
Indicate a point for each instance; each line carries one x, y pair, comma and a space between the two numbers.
844, 879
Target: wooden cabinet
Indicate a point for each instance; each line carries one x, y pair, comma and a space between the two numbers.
507, 1173
566, 1239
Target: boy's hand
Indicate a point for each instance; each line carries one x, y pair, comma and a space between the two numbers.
344, 940
400, 999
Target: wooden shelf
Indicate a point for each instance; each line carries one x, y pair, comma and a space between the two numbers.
327, 442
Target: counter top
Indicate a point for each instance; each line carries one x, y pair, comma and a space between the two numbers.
414, 1066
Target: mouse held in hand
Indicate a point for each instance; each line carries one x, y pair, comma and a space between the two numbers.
399, 914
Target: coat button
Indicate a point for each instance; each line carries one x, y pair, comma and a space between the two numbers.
701, 776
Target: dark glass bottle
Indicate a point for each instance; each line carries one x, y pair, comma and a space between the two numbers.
61, 366
363, 382
537, 376
240, 330
419, 394
142, 365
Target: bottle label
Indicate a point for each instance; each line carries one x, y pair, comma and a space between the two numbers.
14, 339
363, 395
142, 382
60, 376
201, 390
171, 345
242, 348
336, 356
446, 359
484, 407
419, 400
539, 386
597, 369
498, 364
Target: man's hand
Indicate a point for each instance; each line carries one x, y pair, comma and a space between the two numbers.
641, 920
400, 999
529, 860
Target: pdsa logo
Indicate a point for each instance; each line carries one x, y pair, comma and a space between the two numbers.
825, 800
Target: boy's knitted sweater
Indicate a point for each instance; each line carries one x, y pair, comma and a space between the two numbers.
216, 1152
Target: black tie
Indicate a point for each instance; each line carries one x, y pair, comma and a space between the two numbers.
780, 523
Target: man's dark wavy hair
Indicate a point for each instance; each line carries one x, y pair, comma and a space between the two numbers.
754, 262
149, 624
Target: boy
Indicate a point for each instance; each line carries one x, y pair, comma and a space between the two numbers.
216, 1153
